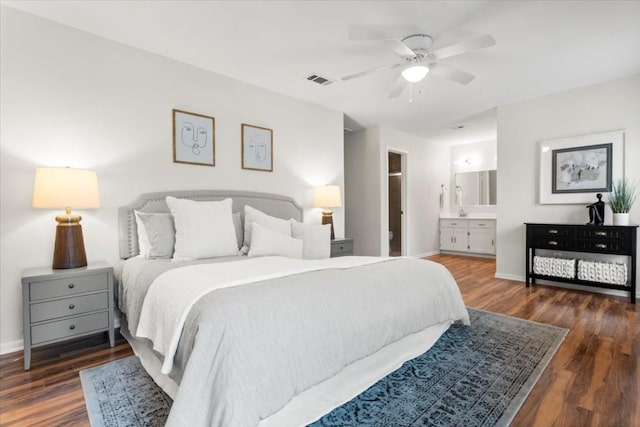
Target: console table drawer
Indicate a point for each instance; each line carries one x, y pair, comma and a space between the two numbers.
551, 231
603, 246
556, 243
604, 233
69, 327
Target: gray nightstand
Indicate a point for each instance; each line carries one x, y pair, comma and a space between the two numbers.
61, 304
341, 247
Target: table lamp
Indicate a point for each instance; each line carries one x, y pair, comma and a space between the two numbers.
327, 196
66, 188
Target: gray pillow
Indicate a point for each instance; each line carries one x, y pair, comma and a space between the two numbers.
237, 224
156, 234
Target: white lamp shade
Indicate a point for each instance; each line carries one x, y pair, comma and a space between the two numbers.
415, 73
61, 188
327, 196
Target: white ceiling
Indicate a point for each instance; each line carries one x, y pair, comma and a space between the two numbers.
542, 47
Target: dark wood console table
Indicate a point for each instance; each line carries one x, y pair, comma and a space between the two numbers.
598, 239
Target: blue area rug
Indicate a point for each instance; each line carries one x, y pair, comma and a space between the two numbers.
474, 376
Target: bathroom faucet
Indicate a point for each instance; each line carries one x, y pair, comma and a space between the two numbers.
461, 212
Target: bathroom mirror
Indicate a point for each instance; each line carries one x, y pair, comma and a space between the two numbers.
478, 187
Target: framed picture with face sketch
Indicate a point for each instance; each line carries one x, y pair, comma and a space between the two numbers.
257, 148
193, 138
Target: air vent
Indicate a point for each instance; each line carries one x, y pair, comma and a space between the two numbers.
321, 80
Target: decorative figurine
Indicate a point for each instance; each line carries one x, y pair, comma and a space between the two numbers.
596, 211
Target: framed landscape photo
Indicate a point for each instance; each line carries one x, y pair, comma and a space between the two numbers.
193, 138
573, 170
257, 148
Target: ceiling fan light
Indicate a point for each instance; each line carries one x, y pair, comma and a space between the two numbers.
415, 73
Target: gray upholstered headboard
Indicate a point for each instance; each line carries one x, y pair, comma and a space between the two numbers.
272, 204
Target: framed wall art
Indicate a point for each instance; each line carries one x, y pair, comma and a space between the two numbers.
257, 148
573, 170
193, 138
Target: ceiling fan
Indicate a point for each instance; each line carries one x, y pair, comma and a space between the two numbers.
419, 59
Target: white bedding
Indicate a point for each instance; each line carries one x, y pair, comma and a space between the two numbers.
247, 352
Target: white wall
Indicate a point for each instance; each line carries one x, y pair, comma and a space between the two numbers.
367, 215
69, 98
607, 106
362, 192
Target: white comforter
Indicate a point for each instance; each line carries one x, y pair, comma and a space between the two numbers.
252, 348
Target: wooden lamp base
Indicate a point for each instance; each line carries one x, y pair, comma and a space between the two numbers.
69, 247
327, 218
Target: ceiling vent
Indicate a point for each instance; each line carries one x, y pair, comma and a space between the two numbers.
321, 80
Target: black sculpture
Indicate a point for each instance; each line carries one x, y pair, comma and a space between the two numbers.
596, 211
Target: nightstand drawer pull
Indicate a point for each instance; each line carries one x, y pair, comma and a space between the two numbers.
553, 243
72, 327
72, 306
552, 231
601, 246
71, 286
601, 233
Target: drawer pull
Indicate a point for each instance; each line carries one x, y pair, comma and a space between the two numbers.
553, 231
601, 233
71, 286
341, 247
454, 223
601, 246
72, 327
72, 306
481, 225
553, 243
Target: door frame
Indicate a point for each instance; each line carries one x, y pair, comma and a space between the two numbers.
403, 200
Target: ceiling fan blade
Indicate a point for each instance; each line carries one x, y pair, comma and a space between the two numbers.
373, 70
398, 87
400, 48
463, 47
450, 73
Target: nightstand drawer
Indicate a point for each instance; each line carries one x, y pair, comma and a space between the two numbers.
342, 248
68, 286
69, 306
69, 327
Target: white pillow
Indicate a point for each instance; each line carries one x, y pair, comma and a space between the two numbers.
316, 239
252, 215
203, 229
265, 241
156, 234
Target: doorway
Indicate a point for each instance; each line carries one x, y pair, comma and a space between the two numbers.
396, 168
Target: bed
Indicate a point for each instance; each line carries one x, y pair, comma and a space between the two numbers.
272, 340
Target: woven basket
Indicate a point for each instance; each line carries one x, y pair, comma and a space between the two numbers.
605, 272
555, 267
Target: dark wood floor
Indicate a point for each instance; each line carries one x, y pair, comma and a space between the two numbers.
593, 380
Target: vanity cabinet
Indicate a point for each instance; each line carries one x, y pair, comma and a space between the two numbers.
469, 236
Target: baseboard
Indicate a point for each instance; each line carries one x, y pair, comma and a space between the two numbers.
11, 346
515, 277
426, 254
